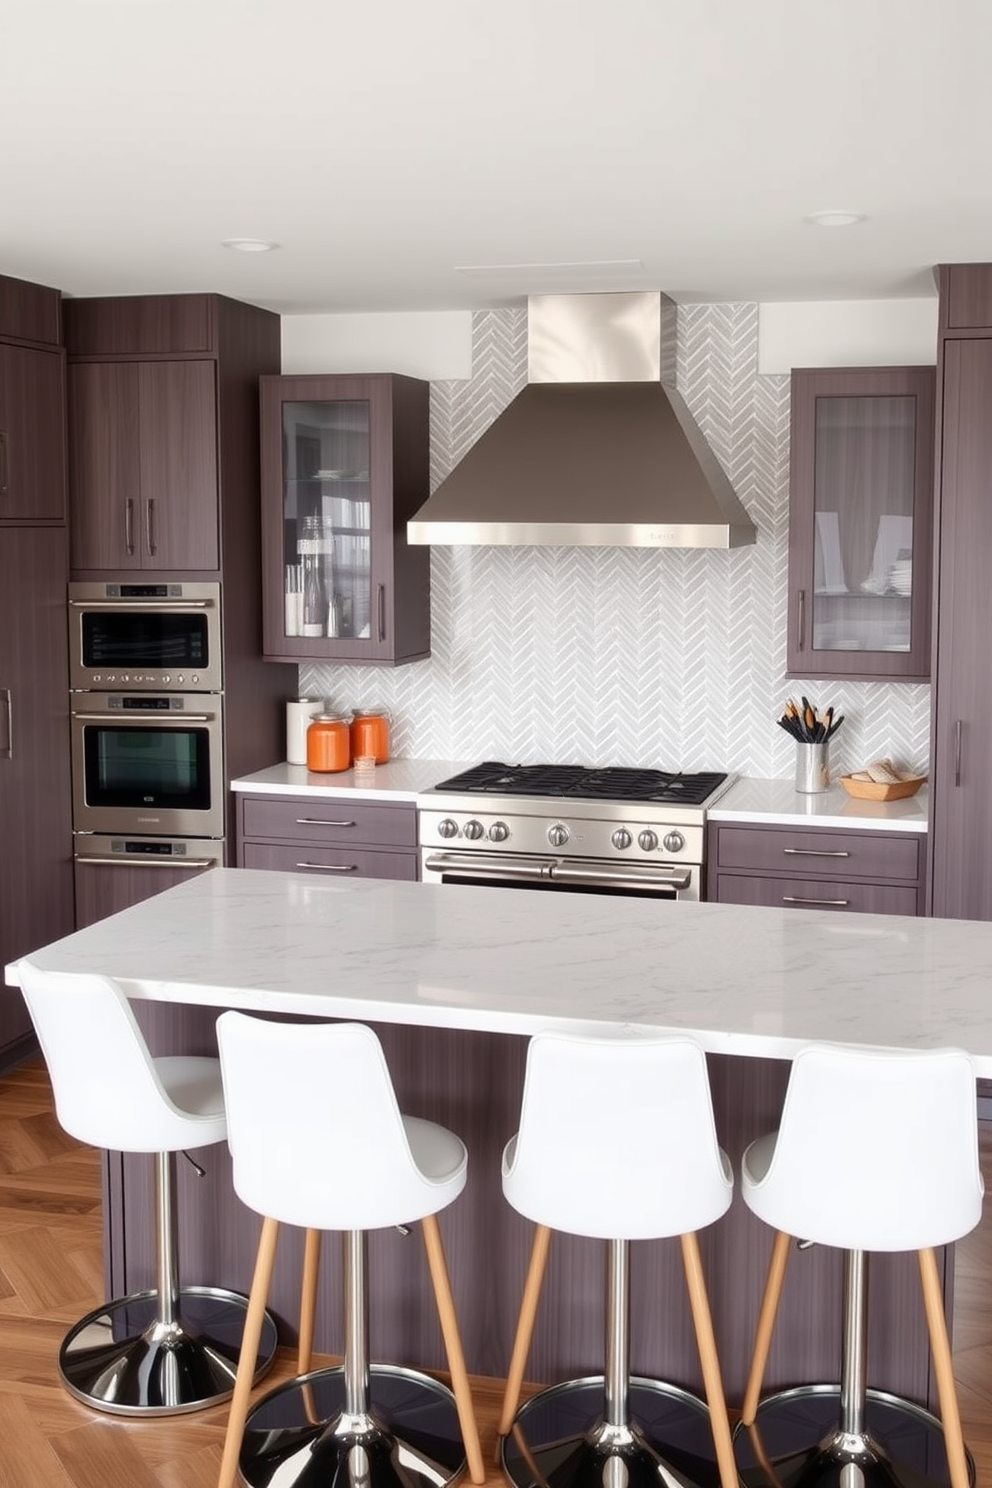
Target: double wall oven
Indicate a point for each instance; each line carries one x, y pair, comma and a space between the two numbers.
147, 721
567, 828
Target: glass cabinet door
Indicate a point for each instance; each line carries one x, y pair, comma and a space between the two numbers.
860, 516
327, 519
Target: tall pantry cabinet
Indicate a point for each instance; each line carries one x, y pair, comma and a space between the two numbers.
960, 774
36, 892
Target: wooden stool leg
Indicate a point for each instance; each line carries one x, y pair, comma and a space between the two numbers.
525, 1327
264, 1261
766, 1323
933, 1302
712, 1379
308, 1300
453, 1345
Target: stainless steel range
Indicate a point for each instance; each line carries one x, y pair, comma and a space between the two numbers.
615, 830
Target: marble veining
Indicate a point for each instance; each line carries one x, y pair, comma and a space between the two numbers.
747, 981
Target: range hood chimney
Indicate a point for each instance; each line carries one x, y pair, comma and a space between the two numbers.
598, 449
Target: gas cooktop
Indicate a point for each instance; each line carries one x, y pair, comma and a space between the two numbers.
578, 783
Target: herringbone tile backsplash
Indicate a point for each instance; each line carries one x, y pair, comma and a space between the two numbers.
628, 656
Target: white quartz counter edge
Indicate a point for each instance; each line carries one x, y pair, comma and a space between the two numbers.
744, 981
778, 803
399, 780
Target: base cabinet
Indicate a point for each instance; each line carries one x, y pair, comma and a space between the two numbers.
816, 868
300, 834
104, 888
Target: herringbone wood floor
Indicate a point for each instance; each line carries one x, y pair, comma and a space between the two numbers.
51, 1272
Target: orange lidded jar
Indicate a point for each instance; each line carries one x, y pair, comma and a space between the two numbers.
370, 734
328, 743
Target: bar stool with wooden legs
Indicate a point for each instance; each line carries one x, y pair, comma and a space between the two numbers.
877, 1149
172, 1348
327, 1149
617, 1142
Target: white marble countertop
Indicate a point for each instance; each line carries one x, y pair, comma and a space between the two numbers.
777, 802
399, 780
743, 980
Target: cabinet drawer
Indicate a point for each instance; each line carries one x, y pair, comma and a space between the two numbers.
335, 862
322, 820
812, 893
825, 854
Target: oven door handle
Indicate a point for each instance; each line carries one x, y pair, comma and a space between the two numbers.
488, 865
141, 604
149, 862
145, 714
604, 875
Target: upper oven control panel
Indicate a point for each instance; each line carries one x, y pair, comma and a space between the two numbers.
620, 836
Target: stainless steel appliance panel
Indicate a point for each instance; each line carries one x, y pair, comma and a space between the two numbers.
145, 635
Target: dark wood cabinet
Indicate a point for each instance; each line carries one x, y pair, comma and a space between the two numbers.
960, 779
32, 469
143, 462
345, 464
816, 868
328, 835
104, 888
860, 522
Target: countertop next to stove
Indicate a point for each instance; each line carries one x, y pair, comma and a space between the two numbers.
767, 802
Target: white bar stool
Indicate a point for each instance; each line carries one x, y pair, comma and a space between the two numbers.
876, 1150
327, 1149
617, 1141
171, 1349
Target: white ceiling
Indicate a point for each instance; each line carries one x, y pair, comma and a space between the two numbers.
566, 144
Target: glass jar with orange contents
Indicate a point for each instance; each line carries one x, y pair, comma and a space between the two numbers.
370, 734
328, 743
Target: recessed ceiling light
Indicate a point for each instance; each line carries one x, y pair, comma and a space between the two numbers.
835, 218
248, 245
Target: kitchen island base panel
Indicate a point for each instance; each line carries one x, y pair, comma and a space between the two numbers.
472, 1082
301, 1433
559, 1436
900, 1446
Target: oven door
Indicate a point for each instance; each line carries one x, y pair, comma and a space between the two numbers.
145, 635
147, 764
561, 875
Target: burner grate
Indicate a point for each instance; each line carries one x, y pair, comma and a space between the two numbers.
576, 782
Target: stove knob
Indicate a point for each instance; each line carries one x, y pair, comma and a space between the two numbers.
447, 828
674, 842
499, 832
474, 830
647, 840
621, 838
558, 834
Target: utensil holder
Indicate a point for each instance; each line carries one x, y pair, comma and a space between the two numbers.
812, 767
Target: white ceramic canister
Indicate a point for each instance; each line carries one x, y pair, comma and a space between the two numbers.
299, 712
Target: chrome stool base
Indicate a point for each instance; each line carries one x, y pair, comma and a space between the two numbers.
299, 1433
902, 1445
559, 1439
123, 1359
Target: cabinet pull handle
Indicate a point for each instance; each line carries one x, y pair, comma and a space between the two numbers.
801, 622
382, 611
816, 852
320, 821
150, 527
957, 751
129, 527
4, 472
7, 752
799, 899
331, 867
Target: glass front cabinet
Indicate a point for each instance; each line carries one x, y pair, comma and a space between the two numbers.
345, 465
860, 522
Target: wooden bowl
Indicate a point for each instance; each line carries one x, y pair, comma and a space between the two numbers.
880, 790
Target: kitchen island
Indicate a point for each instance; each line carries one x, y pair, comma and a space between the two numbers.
455, 980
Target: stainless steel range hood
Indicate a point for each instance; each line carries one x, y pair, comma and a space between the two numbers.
598, 449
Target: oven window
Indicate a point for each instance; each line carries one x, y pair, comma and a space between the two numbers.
138, 766
145, 638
